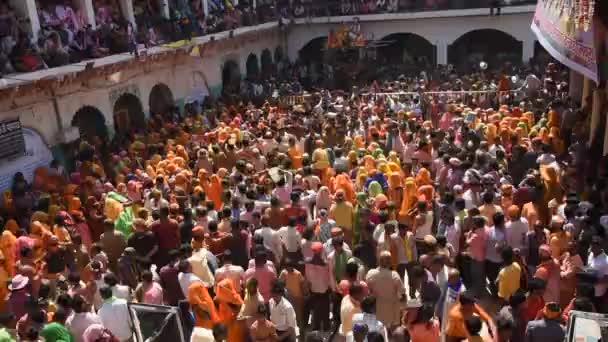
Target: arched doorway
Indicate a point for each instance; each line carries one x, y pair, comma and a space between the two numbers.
408, 50
278, 54
128, 114
231, 77
266, 62
492, 46
252, 66
91, 123
314, 51
161, 99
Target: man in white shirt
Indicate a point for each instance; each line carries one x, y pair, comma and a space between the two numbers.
219, 333
598, 262
282, 314
290, 237
516, 229
200, 267
368, 317
114, 314
186, 277
272, 241
228, 270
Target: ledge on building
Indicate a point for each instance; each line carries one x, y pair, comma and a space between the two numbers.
16, 80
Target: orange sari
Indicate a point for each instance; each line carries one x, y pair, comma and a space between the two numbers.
229, 304
8, 246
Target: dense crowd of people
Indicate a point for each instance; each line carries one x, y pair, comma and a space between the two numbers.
345, 217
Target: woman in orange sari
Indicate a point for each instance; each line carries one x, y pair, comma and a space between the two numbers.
40, 236
229, 305
8, 246
395, 188
423, 177
342, 181
212, 186
408, 203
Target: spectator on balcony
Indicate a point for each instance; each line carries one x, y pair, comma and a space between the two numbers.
53, 51
8, 33
24, 57
103, 15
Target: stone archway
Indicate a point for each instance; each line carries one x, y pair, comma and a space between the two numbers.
495, 47
128, 114
252, 66
90, 122
313, 51
266, 61
161, 99
407, 49
278, 54
231, 77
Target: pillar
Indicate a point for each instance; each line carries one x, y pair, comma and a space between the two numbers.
206, 7
127, 10
27, 9
528, 50
164, 8
87, 8
587, 97
442, 52
576, 86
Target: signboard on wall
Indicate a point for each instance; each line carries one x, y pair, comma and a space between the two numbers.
36, 154
11, 139
567, 40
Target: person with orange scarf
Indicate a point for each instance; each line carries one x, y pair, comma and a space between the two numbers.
342, 182
408, 204
8, 246
203, 307
423, 177
212, 186
463, 310
395, 188
229, 305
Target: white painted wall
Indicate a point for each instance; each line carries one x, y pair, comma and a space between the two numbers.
444, 27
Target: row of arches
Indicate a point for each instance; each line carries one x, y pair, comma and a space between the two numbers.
486, 44
128, 113
255, 67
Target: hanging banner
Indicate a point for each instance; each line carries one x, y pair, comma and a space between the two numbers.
567, 36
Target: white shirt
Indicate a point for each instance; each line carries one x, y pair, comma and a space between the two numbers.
272, 241
122, 292
599, 264
77, 323
185, 280
372, 322
425, 228
202, 335
200, 268
516, 233
233, 272
282, 315
290, 237
114, 314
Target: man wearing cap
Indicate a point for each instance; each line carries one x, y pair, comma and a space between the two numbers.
548, 328
321, 284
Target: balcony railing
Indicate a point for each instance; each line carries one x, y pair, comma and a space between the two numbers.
62, 41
